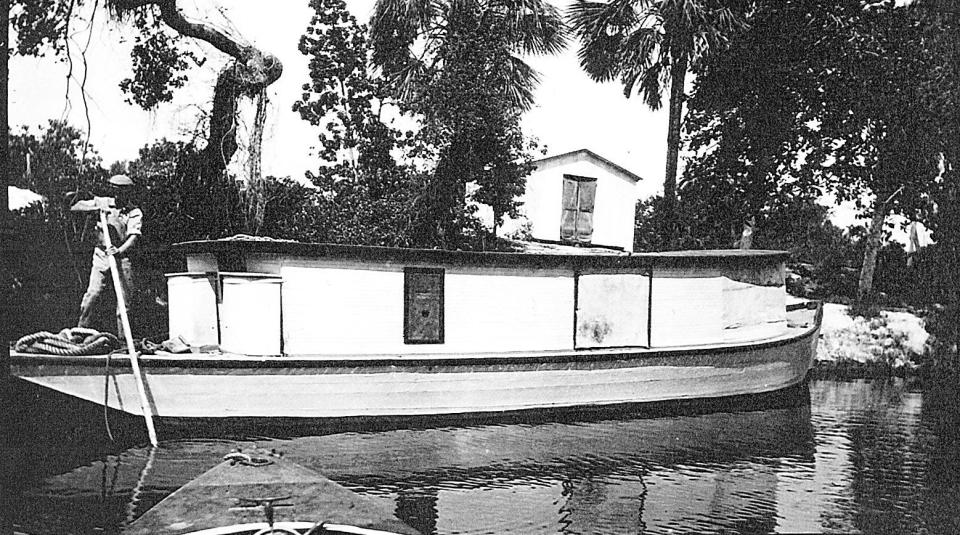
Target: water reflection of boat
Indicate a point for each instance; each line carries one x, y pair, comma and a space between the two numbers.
537, 477
252, 493
322, 331
699, 473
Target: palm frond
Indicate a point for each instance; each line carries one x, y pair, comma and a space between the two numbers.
407, 80
602, 29
395, 25
520, 82
642, 47
590, 19
537, 26
649, 81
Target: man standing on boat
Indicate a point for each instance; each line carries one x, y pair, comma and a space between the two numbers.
125, 223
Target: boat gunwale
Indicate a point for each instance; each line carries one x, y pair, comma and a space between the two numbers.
693, 258
593, 355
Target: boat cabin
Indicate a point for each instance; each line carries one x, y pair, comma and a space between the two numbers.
270, 297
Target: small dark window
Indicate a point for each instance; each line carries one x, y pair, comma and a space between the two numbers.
422, 306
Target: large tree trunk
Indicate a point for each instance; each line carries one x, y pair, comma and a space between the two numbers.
678, 76
236, 80
865, 286
211, 202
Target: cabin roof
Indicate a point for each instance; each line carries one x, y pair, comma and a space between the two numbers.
615, 259
587, 154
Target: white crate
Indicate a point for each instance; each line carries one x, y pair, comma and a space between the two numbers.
192, 309
250, 314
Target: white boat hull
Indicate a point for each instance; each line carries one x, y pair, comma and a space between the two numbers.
233, 386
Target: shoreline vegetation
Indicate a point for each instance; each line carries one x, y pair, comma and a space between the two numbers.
891, 344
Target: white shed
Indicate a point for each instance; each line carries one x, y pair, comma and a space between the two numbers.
580, 197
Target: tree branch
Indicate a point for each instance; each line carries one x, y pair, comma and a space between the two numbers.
174, 18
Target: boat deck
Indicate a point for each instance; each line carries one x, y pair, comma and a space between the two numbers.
799, 322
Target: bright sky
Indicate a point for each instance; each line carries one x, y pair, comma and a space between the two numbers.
572, 112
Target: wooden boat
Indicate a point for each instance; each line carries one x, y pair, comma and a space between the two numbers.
258, 494
285, 329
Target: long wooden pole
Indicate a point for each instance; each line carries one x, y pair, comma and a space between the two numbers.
122, 309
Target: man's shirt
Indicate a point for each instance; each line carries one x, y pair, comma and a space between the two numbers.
122, 223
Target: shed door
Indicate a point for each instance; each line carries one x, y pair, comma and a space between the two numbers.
579, 198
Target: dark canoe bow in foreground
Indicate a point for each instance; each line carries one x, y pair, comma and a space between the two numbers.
251, 493
317, 331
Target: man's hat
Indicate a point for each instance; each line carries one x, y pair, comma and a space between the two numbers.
120, 180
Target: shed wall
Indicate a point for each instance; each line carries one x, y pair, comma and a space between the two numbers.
614, 211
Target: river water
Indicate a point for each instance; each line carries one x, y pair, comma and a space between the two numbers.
841, 457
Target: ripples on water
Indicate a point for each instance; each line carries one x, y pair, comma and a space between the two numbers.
858, 457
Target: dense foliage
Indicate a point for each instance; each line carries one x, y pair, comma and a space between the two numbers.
343, 96
941, 89
160, 66
458, 67
650, 47
807, 98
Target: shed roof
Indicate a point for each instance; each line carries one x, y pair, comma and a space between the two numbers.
587, 154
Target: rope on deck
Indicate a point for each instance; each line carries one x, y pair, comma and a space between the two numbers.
68, 342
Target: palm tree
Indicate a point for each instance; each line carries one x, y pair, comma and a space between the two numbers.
650, 45
459, 65
409, 38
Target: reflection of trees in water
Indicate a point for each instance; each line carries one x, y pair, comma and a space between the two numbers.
705, 472
940, 438
626, 473
902, 462
876, 457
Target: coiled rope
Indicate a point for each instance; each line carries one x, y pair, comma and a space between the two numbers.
68, 342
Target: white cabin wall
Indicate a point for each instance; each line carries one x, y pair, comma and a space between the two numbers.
338, 307
612, 310
332, 306
753, 312
341, 309
700, 306
520, 309
686, 307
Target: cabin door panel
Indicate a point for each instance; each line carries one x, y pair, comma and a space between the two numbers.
423, 317
612, 310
